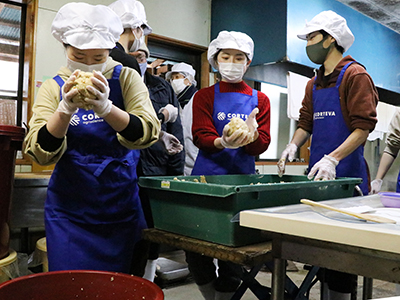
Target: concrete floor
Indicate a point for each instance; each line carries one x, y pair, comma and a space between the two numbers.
187, 290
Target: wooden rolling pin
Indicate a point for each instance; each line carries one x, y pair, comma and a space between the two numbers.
367, 217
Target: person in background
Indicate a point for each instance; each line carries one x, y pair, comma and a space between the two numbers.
133, 18
93, 215
160, 159
389, 154
183, 75
182, 80
219, 154
339, 110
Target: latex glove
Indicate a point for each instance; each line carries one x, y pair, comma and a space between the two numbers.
66, 105
252, 124
376, 186
172, 113
326, 169
288, 154
238, 139
171, 144
101, 105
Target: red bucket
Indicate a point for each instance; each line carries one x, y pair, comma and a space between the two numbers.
88, 285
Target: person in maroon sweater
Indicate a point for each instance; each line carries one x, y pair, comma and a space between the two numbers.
339, 111
219, 153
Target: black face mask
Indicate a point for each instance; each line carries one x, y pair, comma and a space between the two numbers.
317, 53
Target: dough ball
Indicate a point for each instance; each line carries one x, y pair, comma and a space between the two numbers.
237, 124
81, 82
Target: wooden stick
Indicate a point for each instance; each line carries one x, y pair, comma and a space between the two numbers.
367, 217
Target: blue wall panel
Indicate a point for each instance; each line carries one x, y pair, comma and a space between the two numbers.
263, 20
375, 46
273, 25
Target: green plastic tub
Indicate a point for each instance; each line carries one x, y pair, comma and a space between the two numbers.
205, 211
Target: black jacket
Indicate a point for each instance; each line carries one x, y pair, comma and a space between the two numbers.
118, 54
155, 160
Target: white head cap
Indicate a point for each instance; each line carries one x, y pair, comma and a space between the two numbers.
86, 26
230, 40
331, 23
185, 69
131, 13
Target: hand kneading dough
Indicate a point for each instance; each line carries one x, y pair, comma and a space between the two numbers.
237, 124
80, 83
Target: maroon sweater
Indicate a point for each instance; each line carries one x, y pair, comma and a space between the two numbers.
358, 97
203, 129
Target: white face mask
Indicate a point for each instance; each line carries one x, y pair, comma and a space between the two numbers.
136, 43
74, 65
143, 68
231, 72
178, 85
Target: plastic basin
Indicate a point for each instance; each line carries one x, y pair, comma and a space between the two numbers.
207, 211
89, 285
390, 199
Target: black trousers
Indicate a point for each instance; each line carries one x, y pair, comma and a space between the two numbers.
203, 271
144, 250
339, 281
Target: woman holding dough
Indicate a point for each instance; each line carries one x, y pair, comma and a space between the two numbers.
93, 216
221, 153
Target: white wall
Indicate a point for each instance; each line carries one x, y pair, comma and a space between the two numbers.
289, 170
185, 20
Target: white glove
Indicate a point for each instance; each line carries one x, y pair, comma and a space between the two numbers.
172, 113
376, 186
171, 144
326, 169
101, 105
238, 139
289, 154
66, 105
252, 124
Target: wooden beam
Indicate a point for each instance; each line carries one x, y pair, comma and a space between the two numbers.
169, 41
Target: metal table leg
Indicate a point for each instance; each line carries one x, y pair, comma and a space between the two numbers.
278, 279
367, 288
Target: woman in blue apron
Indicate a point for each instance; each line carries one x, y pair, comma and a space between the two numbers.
339, 110
219, 154
93, 215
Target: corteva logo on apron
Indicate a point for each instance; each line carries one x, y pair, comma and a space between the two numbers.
88, 118
222, 116
323, 114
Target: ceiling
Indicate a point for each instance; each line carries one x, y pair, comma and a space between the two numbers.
386, 12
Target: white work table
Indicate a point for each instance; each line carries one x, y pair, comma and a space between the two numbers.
329, 239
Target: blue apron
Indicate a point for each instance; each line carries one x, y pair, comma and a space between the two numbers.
227, 161
330, 131
93, 215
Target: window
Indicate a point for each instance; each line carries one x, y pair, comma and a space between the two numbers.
282, 127
17, 51
10, 59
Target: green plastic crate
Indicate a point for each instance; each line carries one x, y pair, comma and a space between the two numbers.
205, 210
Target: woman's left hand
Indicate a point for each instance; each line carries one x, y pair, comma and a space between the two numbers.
252, 124
101, 105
